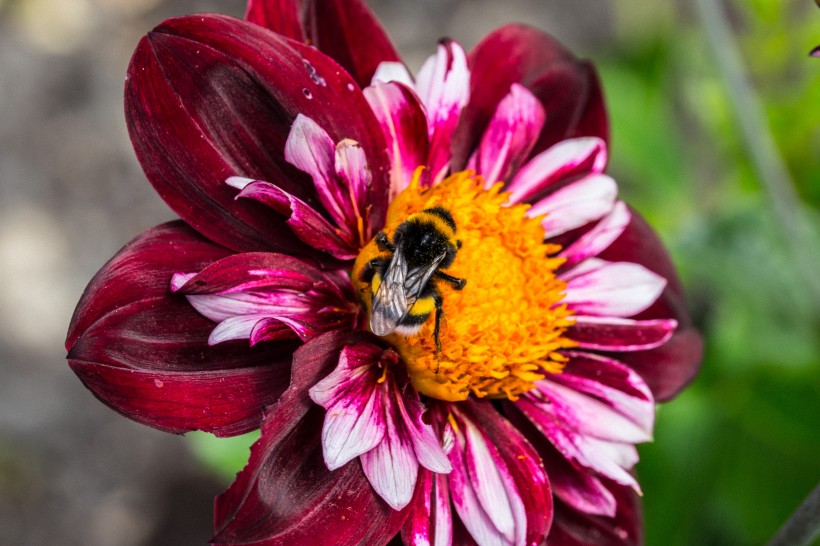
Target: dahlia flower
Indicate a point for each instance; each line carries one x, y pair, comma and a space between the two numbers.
297, 149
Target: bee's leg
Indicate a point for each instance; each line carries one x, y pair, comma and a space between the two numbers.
438, 301
384, 243
370, 269
457, 283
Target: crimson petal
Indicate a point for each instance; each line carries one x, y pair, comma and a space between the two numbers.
567, 87
145, 352
575, 528
670, 367
286, 495
280, 16
347, 30
209, 97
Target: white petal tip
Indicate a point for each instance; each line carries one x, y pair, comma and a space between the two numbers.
238, 182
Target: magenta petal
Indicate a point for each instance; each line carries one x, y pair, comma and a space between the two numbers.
443, 85
404, 125
280, 16
145, 352
430, 522
510, 136
567, 88
349, 32
599, 237
285, 495
566, 160
613, 334
304, 221
231, 116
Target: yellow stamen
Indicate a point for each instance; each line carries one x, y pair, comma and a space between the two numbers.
503, 331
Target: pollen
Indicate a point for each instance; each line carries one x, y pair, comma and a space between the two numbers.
504, 330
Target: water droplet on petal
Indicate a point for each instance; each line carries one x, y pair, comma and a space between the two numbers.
317, 79
350, 87
307, 93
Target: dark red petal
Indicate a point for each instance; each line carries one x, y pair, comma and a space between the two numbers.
567, 88
670, 367
145, 352
286, 494
524, 465
348, 31
209, 97
280, 16
575, 528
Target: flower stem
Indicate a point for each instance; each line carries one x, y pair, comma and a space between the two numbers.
761, 146
804, 524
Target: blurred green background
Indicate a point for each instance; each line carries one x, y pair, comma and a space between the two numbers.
733, 455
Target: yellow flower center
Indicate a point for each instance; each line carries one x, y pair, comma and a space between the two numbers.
503, 330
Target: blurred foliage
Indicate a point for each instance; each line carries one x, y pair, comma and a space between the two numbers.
737, 452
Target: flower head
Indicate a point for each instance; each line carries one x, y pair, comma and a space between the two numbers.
527, 319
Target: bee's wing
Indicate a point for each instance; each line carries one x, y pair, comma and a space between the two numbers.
398, 291
390, 302
417, 278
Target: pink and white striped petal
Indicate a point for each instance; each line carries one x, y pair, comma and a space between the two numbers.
614, 334
370, 416
404, 125
430, 522
354, 423
304, 221
443, 85
593, 413
614, 289
392, 71
576, 204
482, 488
510, 136
244, 293
571, 158
599, 237
310, 149
351, 168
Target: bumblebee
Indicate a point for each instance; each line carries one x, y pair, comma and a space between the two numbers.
404, 284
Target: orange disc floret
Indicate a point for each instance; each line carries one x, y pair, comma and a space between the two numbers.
503, 330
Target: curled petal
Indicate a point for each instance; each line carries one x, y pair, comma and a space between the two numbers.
565, 160
576, 205
145, 352
303, 220
230, 116
244, 293
575, 527
404, 125
510, 136
614, 290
